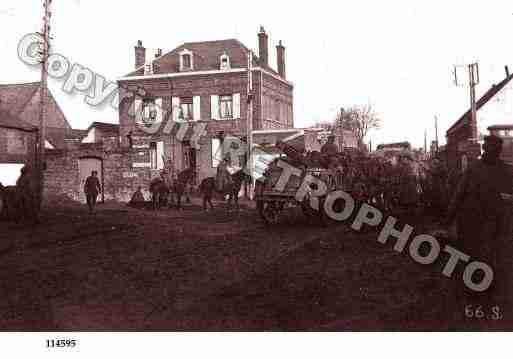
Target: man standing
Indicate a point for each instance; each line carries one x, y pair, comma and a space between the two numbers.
223, 177
92, 188
483, 214
25, 193
330, 148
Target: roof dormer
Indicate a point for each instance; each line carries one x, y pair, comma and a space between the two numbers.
224, 62
186, 60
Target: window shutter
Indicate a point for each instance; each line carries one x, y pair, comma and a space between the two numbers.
214, 107
160, 155
196, 108
158, 103
138, 110
175, 104
236, 105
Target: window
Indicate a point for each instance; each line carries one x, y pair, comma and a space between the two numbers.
186, 61
277, 110
186, 109
224, 61
153, 155
226, 106
149, 111
157, 155
217, 150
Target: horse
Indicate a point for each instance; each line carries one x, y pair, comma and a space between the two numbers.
159, 190
180, 185
208, 187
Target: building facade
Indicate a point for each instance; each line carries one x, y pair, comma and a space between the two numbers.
18, 141
461, 147
23, 102
200, 83
506, 133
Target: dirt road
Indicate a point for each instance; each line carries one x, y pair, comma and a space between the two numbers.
127, 269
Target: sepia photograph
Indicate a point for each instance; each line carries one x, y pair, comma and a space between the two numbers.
254, 167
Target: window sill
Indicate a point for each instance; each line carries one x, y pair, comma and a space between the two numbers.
225, 119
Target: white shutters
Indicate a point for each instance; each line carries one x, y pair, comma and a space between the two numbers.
160, 155
216, 152
236, 105
137, 110
196, 108
214, 107
175, 107
158, 103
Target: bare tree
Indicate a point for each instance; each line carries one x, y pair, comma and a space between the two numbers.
324, 124
359, 119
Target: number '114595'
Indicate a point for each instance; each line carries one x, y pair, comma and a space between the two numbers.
60, 343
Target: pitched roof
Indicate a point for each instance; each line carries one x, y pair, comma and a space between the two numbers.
15, 97
9, 121
206, 56
488, 95
107, 128
22, 100
500, 127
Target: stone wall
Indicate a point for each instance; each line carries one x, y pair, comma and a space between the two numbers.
120, 178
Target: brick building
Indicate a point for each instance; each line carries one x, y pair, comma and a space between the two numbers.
23, 102
506, 133
459, 149
17, 147
201, 82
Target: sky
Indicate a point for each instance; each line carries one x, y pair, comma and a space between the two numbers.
397, 56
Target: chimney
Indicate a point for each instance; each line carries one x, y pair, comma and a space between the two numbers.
140, 54
507, 70
280, 56
263, 51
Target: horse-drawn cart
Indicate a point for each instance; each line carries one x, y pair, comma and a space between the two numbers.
272, 201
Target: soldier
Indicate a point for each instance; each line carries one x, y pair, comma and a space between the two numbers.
483, 215
330, 148
223, 177
25, 194
92, 188
137, 200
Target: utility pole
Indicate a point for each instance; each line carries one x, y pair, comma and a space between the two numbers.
45, 48
473, 73
249, 125
473, 80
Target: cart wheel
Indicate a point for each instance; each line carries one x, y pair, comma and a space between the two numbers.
270, 212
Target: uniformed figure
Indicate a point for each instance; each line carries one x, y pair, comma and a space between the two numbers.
330, 148
26, 196
137, 200
223, 177
92, 188
483, 215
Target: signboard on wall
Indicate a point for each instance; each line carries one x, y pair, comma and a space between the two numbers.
141, 164
130, 174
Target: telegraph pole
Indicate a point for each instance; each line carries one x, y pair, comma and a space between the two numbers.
45, 48
473, 73
473, 80
249, 126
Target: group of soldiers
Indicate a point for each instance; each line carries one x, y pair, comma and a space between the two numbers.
371, 179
